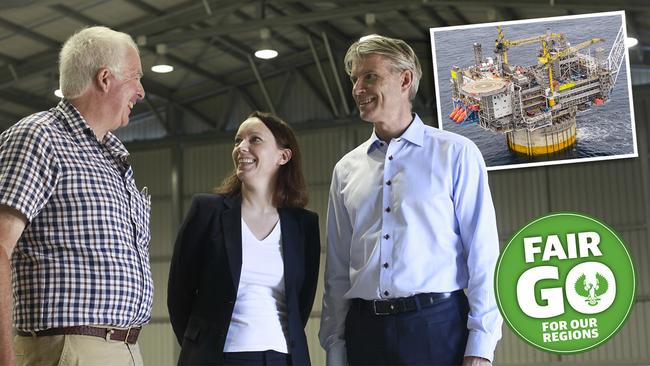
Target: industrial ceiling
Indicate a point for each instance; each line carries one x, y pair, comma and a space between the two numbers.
210, 43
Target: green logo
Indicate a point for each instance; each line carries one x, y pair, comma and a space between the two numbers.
565, 283
591, 291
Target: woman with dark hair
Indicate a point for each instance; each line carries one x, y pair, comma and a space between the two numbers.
243, 275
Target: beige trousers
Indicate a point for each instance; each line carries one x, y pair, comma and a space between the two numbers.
75, 350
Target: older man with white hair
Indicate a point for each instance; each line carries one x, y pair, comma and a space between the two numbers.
74, 228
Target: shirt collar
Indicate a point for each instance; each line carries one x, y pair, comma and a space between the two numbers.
115, 146
71, 119
414, 134
74, 122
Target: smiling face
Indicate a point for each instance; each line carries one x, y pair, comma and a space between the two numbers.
125, 90
379, 90
256, 154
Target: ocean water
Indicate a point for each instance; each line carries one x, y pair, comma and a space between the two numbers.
601, 131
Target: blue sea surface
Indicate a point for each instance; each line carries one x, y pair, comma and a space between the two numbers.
601, 131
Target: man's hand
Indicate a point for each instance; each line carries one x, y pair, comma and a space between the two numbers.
476, 361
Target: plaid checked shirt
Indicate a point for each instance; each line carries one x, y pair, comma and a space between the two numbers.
83, 258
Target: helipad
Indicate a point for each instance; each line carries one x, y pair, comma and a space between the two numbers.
485, 87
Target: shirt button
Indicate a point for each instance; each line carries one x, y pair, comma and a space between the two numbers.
386, 293
388, 182
386, 265
381, 144
390, 157
387, 209
386, 236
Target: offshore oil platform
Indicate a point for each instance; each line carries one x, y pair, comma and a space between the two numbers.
535, 106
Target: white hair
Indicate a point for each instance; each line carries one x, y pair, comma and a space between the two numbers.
88, 50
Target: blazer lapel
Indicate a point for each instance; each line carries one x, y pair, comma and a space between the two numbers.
291, 239
231, 223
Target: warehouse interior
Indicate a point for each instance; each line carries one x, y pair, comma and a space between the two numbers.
180, 137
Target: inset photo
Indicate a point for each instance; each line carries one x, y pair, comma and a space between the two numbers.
537, 91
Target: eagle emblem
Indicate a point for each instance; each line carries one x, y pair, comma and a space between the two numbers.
591, 290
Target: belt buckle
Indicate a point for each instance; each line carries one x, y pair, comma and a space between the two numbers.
374, 308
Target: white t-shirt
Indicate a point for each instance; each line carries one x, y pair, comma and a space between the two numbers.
259, 319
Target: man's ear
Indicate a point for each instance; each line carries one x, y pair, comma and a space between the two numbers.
285, 156
102, 79
407, 79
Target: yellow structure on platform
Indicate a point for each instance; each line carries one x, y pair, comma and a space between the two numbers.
543, 141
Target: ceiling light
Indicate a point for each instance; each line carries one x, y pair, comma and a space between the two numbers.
161, 65
162, 68
631, 42
265, 50
266, 53
58, 93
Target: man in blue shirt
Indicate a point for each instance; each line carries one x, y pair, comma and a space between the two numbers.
410, 225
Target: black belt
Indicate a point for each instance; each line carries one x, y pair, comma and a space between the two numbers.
403, 304
123, 335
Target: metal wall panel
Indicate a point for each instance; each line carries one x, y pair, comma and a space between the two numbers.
157, 345
313, 326
305, 104
511, 350
318, 203
519, 196
162, 228
205, 166
152, 168
642, 116
318, 300
241, 108
608, 190
218, 107
316, 353
321, 149
637, 245
160, 273
146, 127
192, 124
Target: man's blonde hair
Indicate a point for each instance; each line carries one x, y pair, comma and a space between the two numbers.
399, 53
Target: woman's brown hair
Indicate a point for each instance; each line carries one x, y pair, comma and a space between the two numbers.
290, 187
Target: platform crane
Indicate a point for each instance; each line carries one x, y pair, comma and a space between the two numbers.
502, 44
548, 59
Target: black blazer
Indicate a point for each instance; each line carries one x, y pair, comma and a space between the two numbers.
205, 271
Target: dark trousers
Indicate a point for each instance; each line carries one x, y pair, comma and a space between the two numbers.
261, 358
435, 335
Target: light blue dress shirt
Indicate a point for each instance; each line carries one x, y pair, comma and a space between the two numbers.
412, 216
